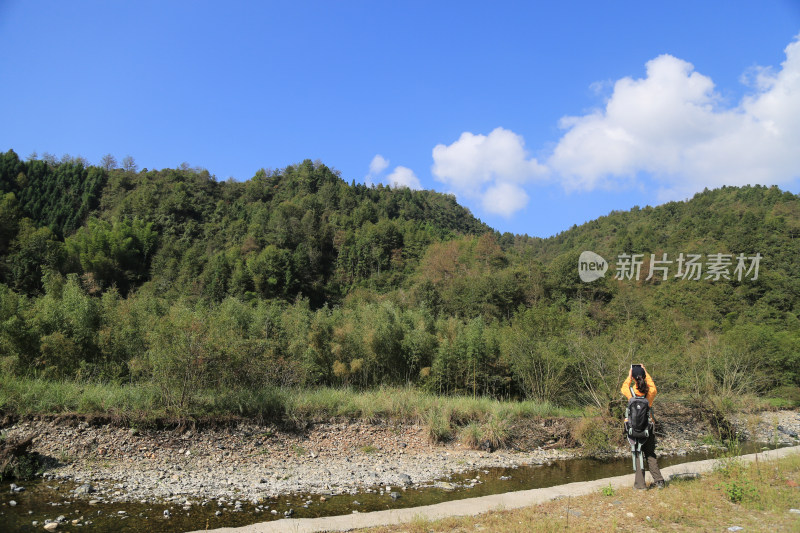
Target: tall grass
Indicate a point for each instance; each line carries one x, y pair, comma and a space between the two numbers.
33, 396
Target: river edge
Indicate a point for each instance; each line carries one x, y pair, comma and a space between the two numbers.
250, 463
495, 502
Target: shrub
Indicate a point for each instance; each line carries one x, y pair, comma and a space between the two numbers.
495, 432
470, 435
594, 435
437, 423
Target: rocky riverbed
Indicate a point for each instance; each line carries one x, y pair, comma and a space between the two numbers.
250, 463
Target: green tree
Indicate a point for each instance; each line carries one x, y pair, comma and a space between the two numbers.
34, 252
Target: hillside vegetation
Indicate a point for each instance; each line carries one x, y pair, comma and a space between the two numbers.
296, 278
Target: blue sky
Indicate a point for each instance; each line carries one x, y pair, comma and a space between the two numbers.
536, 115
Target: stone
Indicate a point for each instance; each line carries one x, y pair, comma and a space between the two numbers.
52, 526
12, 503
394, 495
86, 488
684, 476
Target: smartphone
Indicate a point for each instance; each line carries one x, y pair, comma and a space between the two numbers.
634, 366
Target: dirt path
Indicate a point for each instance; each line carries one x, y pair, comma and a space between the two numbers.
475, 506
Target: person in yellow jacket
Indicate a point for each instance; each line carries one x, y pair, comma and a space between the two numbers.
640, 382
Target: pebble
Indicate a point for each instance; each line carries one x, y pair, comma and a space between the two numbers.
141, 465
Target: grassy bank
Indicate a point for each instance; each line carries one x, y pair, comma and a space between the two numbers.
144, 402
755, 497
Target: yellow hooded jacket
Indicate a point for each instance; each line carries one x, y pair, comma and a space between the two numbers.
651, 388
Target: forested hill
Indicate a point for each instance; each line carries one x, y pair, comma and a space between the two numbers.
744, 219
300, 230
296, 277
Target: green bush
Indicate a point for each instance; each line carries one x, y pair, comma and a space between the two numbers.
438, 425
594, 435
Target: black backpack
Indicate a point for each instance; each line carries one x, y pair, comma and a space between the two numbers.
638, 427
638, 415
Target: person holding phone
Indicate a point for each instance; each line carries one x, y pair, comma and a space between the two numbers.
640, 383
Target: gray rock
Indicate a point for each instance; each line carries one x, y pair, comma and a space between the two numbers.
12, 503
405, 479
684, 476
86, 488
394, 495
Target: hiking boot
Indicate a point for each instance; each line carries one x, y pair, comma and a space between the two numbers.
660, 484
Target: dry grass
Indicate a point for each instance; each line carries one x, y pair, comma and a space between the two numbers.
698, 505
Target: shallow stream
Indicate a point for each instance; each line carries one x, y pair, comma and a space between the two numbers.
48, 499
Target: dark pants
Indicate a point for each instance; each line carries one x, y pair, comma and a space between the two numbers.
649, 449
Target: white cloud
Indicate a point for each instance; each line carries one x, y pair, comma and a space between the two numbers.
504, 199
403, 177
400, 176
671, 124
497, 164
378, 165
